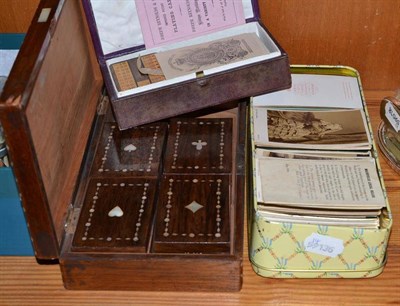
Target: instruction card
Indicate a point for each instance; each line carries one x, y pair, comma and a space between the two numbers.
166, 21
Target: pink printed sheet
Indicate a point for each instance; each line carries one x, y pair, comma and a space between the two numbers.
167, 21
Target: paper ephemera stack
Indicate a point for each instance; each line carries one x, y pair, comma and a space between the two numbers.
314, 165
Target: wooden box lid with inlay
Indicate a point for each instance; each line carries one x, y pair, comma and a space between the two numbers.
199, 146
116, 216
193, 214
136, 151
120, 210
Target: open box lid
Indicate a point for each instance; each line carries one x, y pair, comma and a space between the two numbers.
235, 59
116, 28
47, 109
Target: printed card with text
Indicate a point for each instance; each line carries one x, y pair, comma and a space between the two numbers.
166, 21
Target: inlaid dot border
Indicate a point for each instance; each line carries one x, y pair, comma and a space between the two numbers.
222, 141
149, 163
144, 201
170, 202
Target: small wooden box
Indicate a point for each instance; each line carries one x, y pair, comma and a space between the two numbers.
117, 38
155, 207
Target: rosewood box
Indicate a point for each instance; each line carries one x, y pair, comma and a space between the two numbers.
155, 207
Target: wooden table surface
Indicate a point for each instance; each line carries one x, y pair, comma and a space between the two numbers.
24, 282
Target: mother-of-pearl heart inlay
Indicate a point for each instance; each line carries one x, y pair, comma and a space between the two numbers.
199, 144
130, 148
116, 212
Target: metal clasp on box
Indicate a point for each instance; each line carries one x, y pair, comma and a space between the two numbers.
200, 78
103, 104
72, 219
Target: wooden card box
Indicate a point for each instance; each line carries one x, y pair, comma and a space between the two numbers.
129, 229
157, 207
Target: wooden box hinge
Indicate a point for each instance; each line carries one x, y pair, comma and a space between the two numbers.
72, 220
103, 105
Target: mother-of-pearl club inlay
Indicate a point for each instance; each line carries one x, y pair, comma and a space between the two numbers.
116, 212
129, 148
199, 144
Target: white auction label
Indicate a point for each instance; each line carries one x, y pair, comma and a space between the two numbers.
323, 245
393, 116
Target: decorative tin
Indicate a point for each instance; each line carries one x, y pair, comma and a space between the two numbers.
289, 250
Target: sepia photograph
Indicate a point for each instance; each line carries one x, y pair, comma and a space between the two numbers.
310, 154
334, 127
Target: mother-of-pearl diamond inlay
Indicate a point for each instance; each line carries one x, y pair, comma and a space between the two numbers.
194, 206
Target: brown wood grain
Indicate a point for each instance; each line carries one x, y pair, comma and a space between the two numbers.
364, 34
206, 230
46, 174
133, 272
130, 231
134, 152
199, 146
24, 282
68, 127
113, 263
16, 16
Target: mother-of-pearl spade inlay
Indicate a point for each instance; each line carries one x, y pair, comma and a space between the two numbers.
130, 148
116, 212
194, 207
199, 144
